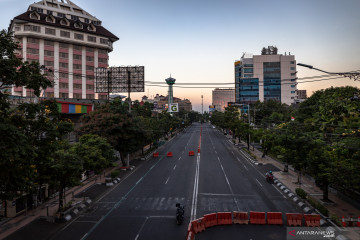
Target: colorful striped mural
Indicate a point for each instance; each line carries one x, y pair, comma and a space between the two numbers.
66, 107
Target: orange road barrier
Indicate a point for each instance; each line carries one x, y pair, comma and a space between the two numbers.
241, 217
198, 225
198, 149
274, 218
191, 153
169, 154
210, 220
190, 233
358, 222
224, 218
156, 154
294, 219
312, 220
257, 218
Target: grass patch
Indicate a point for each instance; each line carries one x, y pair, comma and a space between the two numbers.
301, 193
313, 202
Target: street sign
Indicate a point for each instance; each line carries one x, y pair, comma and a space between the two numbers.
174, 107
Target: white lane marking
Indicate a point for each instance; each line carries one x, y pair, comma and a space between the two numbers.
180, 157
246, 168
142, 226
216, 152
167, 180
174, 167
196, 189
258, 182
279, 191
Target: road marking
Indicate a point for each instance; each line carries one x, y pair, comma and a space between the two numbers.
174, 167
196, 185
142, 226
167, 180
180, 157
258, 182
216, 152
279, 191
246, 168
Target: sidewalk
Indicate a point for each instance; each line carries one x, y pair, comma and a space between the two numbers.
338, 208
50, 207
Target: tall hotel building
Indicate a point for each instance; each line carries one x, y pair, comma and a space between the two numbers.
221, 97
266, 76
68, 41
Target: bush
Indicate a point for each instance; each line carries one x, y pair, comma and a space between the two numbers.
114, 173
301, 193
318, 206
336, 220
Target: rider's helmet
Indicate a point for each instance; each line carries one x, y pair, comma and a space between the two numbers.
270, 172
177, 204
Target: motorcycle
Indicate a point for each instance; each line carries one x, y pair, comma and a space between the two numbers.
180, 211
270, 178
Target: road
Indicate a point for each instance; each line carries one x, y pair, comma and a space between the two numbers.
220, 178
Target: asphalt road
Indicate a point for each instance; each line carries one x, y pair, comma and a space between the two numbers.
221, 178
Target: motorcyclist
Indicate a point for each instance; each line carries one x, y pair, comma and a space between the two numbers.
180, 210
269, 175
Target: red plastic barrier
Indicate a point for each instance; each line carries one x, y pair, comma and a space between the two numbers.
241, 217
198, 225
156, 154
358, 222
294, 219
224, 218
312, 220
198, 149
191, 153
190, 232
169, 154
210, 220
274, 218
257, 218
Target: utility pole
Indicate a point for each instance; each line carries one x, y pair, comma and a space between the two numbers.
202, 104
249, 123
129, 90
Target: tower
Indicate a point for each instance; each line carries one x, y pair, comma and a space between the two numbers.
170, 81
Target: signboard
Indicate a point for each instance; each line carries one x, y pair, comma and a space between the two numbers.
174, 107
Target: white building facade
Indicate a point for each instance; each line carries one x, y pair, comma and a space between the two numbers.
221, 97
69, 42
264, 77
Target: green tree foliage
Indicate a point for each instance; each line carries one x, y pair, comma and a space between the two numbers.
94, 151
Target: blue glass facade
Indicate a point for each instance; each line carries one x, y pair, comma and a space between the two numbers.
248, 90
272, 81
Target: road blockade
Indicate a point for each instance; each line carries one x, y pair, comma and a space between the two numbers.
274, 218
257, 218
190, 232
294, 219
358, 222
156, 154
198, 225
241, 217
169, 154
224, 218
312, 220
191, 153
210, 220
198, 149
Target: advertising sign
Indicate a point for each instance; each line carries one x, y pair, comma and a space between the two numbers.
174, 107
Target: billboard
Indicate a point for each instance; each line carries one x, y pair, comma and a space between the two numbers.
174, 107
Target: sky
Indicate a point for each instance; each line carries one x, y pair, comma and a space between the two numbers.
198, 41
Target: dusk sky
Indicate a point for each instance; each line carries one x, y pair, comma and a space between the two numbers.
198, 41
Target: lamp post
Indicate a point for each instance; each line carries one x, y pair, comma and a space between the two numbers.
351, 75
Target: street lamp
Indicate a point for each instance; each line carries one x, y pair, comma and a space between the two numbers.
351, 75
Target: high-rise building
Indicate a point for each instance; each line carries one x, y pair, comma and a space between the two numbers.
221, 97
70, 44
267, 76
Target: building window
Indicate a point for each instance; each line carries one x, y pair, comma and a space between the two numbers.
90, 78
292, 62
293, 74
65, 8
75, 18
77, 57
50, 19
49, 53
89, 87
64, 45
48, 43
293, 80
90, 96
32, 51
34, 15
89, 68
91, 39
249, 65
89, 49
65, 34
292, 91
292, 86
77, 86
63, 55
64, 22
77, 47
64, 85
86, 20
50, 31
78, 36
49, 94
248, 70
32, 28
63, 65
64, 95
91, 28
77, 77
248, 75
33, 40
89, 59
104, 41
63, 75
61, 15
102, 51
292, 68
77, 66
49, 63
77, 95
78, 25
